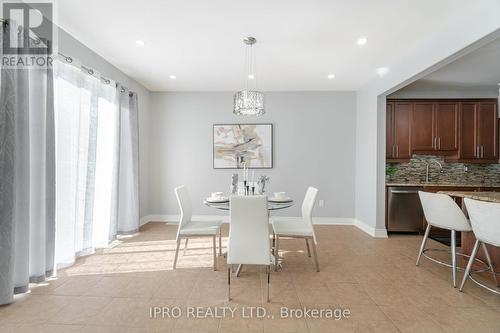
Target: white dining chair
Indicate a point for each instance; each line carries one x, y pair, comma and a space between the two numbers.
485, 221
302, 228
248, 235
441, 211
188, 228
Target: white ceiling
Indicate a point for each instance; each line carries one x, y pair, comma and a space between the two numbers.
299, 42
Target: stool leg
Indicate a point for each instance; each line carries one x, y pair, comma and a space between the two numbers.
422, 246
469, 264
454, 257
488, 259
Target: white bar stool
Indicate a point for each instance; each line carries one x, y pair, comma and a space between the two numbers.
485, 221
441, 211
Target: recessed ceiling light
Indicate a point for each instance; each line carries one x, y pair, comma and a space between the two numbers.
362, 41
381, 71
139, 43
331, 76
251, 76
172, 77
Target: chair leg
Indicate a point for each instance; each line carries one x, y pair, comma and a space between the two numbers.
215, 253
238, 270
276, 253
488, 259
469, 264
268, 271
315, 255
228, 282
185, 247
274, 243
422, 246
454, 257
177, 252
220, 242
308, 249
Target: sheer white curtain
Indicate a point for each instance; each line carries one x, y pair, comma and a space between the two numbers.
86, 162
27, 167
97, 163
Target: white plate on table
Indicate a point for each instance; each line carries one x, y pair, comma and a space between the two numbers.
285, 199
218, 200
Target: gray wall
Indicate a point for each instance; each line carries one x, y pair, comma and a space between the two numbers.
314, 144
71, 47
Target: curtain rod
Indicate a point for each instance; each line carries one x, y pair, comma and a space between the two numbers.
91, 72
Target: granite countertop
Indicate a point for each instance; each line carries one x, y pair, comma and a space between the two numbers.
433, 184
483, 196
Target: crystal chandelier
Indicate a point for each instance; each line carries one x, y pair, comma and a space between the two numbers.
249, 102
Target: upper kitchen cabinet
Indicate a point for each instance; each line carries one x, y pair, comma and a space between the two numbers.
479, 131
435, 127
422, 124
462, 130
446, 126
398, 139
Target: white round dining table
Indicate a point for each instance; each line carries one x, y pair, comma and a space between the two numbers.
271, 205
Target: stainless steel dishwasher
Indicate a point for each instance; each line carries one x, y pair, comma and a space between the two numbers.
404, 211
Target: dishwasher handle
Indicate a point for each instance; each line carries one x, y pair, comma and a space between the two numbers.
404, 191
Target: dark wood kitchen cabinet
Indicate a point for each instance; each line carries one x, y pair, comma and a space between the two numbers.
468, 129
487, 131
435, 127
398, 128
446, 126
423, 133
479, 132
464, 130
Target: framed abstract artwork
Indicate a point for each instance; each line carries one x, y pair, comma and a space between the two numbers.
236, 145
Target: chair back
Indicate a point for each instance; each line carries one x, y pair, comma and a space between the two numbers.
249, 231
440, 210
307, 208
485, 220
184, 201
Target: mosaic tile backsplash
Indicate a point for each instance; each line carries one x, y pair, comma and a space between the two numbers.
451, 173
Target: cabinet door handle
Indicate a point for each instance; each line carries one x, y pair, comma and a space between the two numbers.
439, 143
434, 143
397, 151
392, 153
482, 151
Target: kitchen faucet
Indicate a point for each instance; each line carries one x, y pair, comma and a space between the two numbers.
427, 164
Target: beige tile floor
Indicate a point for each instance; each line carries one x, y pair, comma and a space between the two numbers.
376, 279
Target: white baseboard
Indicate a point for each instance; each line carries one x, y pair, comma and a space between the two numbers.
377, 233
370, 230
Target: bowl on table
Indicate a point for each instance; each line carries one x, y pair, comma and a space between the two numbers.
279, 197
216, 197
